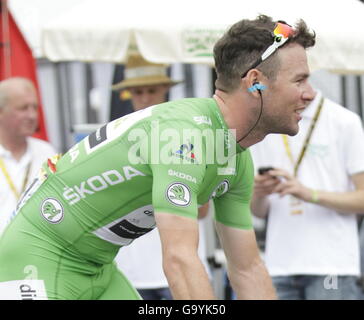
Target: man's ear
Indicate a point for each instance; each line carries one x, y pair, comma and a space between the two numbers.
253, 81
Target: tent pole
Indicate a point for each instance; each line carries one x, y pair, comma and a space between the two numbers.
359, 95
343, 90
64, 111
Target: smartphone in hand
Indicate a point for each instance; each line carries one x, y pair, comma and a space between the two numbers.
263, 170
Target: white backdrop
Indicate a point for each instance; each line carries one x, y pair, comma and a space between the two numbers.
181, 31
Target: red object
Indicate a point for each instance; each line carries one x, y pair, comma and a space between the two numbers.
51, 166
16, 60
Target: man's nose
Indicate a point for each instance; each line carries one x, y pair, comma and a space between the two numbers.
145, 97
308, 93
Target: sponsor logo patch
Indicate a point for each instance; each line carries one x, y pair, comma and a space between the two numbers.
202, 120
185, 152
98, 183
129, 227
52, 210
181, 175
26, 289
222, 188
179, 194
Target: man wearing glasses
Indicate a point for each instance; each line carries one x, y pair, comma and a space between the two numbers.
98, 197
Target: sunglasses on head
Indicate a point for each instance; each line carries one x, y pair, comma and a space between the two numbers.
281, 33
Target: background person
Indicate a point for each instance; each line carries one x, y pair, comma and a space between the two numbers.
311, 199
21, 156
148, 84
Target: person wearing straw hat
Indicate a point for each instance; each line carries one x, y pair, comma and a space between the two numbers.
147, 84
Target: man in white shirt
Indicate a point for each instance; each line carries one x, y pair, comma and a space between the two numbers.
311, 198
20, 155
148, 84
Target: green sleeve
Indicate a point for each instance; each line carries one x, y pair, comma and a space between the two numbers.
233, 208
176, 184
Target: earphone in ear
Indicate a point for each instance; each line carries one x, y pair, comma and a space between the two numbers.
256, 86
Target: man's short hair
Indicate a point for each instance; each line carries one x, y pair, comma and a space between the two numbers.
242, 45
7, 84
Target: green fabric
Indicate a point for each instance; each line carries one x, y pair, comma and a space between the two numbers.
99, 200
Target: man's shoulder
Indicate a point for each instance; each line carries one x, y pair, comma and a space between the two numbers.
195, 111
189, 102
185, 107
246, 161
40, 145
339, 113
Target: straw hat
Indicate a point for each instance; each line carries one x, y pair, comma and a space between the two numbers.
139, 72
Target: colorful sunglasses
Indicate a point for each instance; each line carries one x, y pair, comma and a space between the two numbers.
281, 34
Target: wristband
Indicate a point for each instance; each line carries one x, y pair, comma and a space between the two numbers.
314, 197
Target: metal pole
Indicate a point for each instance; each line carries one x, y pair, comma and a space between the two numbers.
343, 90
360, 96
64, 107
188, 80
91, 113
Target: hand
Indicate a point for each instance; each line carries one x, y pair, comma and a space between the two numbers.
264, 184
290, 185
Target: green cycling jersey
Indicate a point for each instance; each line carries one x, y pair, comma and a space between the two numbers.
102, 194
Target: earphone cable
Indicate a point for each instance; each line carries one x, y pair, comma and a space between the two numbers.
260, 114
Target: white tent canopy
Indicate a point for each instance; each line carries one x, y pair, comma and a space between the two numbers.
32, 15
185, 31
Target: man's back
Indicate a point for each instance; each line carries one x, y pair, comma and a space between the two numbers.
96, 198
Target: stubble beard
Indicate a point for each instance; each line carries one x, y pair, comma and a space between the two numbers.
278, 126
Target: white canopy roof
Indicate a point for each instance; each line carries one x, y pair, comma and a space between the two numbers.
185, 31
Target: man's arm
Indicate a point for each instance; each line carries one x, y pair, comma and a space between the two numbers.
344, 202
182, 266
246, 270
264, 184
203, 211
